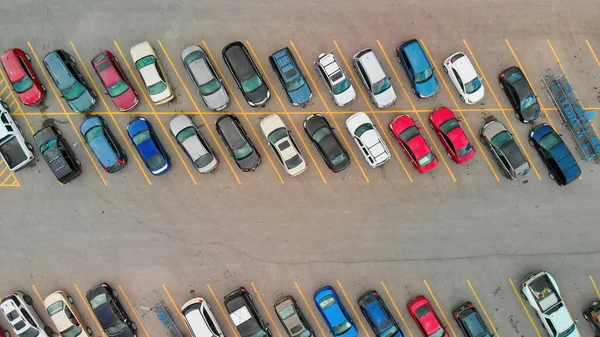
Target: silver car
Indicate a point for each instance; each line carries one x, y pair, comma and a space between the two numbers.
504, 148
192, 142
292, 319
374, 78
206, 80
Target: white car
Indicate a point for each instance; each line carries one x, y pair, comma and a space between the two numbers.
376, 81
199, 319
368, 139
193, 143
18, 310
335, 79
283, 145
14, 150
147, 64
465, 78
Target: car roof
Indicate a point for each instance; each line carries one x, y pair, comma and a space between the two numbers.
12, 66
371, 65
329, 64
109, 75
141, 50
465, 68
417, 57
199, 67
285, 64
239, 59
58, 69
195, 319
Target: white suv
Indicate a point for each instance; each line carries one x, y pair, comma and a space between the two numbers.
368, 139
374, 78
18, 310
337, 82
200, 319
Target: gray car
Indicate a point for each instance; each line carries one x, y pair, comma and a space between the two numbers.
206, 80
504, 148
192, 142
292, 319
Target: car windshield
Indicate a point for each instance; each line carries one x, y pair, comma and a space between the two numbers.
251, 84
567, 332
259, 333
204, 160
94, 133
22, 85
409, 133
293, 162
141, 137
74, 91
463, 151
157, 88
145, 61
340, 87
305, 333
341, 328
47, 145
210, 87
156, 161
362, 129
73, 331
549, 141
473, 85
389, 332
381, 86
185, 134
441, 332
528, 101
193, 56
277, 135
31, 332
286, 312
428, 158
99, 300
55, 308
118, 89
501, 138
514, 77
116, 328
295, 84
242, 152
424, 75
449, 125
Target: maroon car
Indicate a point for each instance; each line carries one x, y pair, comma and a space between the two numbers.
22, 77
115, 81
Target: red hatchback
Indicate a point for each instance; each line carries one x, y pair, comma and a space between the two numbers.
22, 77
452, 135
115, 81
425, 317
412, 142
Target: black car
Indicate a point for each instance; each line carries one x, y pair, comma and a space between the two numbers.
469, 320
244, 315
378, 316
592, 315
109, 311
57, 154
247, 76
69, 81
321, 134
520, 94
238, 143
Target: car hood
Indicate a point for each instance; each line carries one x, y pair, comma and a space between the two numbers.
31, 96
532, 112
345, 97
427, 88
562, 321
385, 98
217, 100
103, 151
250, 162
126, 100
83, 103
258, 96
301, 95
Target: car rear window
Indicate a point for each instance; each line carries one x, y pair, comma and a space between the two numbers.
456, 57
362, 129
474, 324
103, 66
293, 162
118, 89
100, 58
156, 161
204, 160
326, 302
286, 312
422, 311
157, 88
514, 77
19, 325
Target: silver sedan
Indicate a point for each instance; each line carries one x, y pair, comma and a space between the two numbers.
192, 142
207, 81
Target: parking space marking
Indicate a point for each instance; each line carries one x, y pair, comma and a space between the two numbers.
396, 307
285, 110
200, 113
134, 311
167, 133
227, 318
519, 296
351, 305
360, 88
593, 52
483, 308
65, 112
111, 114
310, 309
177, 309
12, 94
502, 110
594, 284
37, 293
439, 308
15, 182
87, 305
5, 88
243, 112
476, 139
266, 309
415, 110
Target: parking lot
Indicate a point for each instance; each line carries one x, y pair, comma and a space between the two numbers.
461, 232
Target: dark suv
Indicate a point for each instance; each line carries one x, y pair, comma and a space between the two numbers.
555, 153
244, 315
469, 320
57, 154
290, 76
68, 80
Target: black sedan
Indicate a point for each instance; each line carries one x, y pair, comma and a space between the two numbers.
592, 315
238, 143
469, 320
109, 312
247, 76
244, 315
321, 134
520, 94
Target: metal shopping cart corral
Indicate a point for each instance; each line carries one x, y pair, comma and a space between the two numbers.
573, 115
157, 318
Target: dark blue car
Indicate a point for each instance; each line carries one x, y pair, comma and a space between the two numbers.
148, 146
411, 56
338, 321
378, 316
290, 76
555, 153
107, 150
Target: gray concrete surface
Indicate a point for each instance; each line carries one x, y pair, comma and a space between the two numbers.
261, 232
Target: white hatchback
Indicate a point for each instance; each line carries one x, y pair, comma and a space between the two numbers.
368, 139
200, 319
462, 73
283, 145
146, 62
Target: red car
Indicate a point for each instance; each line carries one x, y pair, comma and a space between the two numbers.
22, 77
115, 81
425, 317
412, 142
444, 123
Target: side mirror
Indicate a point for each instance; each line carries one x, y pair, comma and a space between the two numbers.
577, 320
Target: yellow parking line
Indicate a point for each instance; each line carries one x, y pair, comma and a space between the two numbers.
16, 181
167, 134
242, 110
521, 301
439, 308
593, 53
37, 293
310, 309
503, 113
351, 305
110, 113
286, 112
227, 318
415, 110
11, 104
7, 177
3, 90
65, 112
483, 308
351, 71
475, 138
134, 311
201, 114
176, 309
594, 284
265, 307
396, 307
2, 172
87, 305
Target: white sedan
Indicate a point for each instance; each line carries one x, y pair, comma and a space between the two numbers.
368, 139
465, 78
152, 74
283, 145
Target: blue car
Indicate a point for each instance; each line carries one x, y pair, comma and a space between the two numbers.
411, 56
290, 76
555, 154
148, 146
378, 316
333, 312
107, 150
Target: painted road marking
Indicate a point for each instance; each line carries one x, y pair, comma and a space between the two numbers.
310, 309
593, 53
521, 300
396, 307
594, 284
134, 311
87, 305
483, 308
266, 309
37, 293
439, 308
351, 305
227, 318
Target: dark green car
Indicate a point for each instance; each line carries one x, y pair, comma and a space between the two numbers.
62, 68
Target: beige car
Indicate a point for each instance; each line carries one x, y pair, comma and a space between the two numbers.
154, 78
65, 316
283, 145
